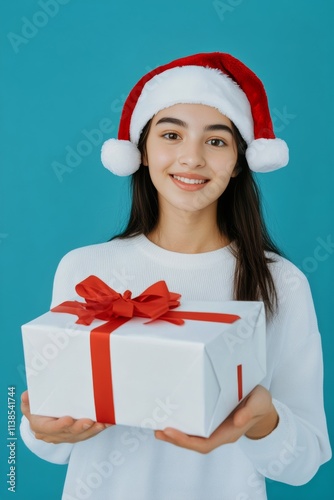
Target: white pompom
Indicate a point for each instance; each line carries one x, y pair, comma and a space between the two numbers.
265, 155
120, 157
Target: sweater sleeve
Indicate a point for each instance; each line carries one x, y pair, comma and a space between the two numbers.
55, 453
294, 451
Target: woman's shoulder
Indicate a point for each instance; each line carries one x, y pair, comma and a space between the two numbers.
285, 272
98, 251
104, 260
293, 289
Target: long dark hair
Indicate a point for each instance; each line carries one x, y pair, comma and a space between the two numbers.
239, 217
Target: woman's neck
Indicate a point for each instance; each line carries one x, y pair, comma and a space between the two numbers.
188, 233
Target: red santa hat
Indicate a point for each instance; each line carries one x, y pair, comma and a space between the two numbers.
215, 79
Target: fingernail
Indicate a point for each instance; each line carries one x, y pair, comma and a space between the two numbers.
99, 427
168, 433
86, 426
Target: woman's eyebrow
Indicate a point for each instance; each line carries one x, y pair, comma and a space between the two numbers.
181, 123
175, 121
218, 126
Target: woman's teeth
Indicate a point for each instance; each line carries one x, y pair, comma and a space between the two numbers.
189, 181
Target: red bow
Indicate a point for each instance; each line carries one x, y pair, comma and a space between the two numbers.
102, 302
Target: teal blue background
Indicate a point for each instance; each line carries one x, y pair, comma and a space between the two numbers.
71, 74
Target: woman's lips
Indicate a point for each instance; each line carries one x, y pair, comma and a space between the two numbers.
189, 182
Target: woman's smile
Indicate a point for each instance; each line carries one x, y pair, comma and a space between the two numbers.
189, 182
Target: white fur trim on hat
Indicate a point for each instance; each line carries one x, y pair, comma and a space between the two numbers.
265, 155
193, 85
120, 157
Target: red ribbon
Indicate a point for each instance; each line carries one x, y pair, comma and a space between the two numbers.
104, 303
239, 377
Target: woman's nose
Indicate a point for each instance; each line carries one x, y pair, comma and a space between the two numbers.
191, 155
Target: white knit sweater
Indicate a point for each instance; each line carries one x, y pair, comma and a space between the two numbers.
125, 463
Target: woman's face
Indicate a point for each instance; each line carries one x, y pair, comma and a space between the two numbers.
191, 154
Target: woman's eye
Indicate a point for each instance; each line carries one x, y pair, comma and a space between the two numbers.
172, 136
217, 142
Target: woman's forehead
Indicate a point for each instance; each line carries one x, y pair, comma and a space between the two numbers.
189, 112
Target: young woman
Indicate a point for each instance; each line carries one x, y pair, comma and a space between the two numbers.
191, 131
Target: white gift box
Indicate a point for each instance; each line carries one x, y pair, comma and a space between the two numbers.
188, 377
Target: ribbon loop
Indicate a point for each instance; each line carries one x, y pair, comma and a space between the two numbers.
102, 302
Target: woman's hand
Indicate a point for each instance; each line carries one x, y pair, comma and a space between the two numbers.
256, 417
60, 430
